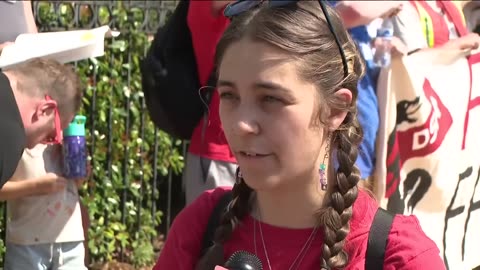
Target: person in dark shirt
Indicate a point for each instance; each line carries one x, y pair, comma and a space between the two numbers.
16, 17
38, 99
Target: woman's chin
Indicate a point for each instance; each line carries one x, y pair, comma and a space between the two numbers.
261, 182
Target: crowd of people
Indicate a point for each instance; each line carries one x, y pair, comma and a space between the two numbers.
289, 138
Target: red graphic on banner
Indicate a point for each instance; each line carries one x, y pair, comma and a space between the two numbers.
417, 141
473, 102
425, 139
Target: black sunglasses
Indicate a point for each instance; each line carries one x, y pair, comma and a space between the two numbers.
241, 6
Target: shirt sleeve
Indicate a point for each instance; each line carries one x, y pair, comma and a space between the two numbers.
184, 241
408, 28
426, 260
12, 144
12, 136
409, 248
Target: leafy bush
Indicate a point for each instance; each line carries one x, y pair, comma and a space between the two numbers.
121, 198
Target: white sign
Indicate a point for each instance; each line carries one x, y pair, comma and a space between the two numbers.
428, 154
64, 46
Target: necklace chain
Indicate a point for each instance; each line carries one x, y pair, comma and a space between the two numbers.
300, 255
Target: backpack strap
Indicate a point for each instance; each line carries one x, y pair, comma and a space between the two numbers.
214, 221
377, 239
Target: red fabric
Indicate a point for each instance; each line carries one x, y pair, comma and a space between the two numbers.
441, 33
408, 247
206, 31
455, 16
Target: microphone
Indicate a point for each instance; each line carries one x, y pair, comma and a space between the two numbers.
242, 260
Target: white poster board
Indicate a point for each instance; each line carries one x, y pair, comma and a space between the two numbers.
64, 46
428, 153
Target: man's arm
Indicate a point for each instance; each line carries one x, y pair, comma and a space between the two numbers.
29, 18
5, 44
356, 13
17, 189
49, 183
408, 28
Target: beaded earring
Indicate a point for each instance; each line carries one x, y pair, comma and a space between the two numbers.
323, 167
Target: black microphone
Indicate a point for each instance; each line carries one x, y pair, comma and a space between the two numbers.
242, 260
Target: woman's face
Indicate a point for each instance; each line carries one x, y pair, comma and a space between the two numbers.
267, 113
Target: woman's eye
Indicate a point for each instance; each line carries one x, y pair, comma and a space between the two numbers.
271, 99
226, 95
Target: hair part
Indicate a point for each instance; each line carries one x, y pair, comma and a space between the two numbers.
301, 30
40, 77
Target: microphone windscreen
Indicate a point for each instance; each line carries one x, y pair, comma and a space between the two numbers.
243, 260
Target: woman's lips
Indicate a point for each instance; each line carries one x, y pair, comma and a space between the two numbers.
252, 155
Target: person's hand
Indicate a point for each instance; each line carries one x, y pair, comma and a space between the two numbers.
79, 182
396, 46
397, 6
468, 42
49, 183
5, 44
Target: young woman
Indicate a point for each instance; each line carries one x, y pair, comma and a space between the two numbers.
288, 89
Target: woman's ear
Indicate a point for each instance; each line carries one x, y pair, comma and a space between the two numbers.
337, 116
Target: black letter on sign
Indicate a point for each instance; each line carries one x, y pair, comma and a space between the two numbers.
419, 179
453, 212
473, 206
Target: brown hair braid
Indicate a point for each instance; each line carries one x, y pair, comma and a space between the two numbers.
239, 208
341, 195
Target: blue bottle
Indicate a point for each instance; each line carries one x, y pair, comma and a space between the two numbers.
75, 149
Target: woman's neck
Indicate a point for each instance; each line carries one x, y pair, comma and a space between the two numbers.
290, 206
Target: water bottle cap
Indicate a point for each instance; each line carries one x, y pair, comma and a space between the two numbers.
76, 127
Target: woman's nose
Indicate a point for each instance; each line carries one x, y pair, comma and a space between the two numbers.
247, 122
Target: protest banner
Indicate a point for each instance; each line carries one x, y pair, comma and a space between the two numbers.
428, 148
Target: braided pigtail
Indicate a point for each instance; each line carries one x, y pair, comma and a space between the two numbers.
341, 194
238, 209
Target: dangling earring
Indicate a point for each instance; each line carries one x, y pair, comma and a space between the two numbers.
323, 167
238, 176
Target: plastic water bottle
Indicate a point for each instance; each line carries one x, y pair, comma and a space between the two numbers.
383, 54
75, 149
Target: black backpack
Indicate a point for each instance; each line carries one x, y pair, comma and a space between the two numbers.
170, 79
377, 236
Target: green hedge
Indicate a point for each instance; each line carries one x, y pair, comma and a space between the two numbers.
118, 92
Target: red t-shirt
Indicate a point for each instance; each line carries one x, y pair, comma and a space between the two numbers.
408, 247
206, 31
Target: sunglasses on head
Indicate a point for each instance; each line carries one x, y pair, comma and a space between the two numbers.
241, 6
57, 139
